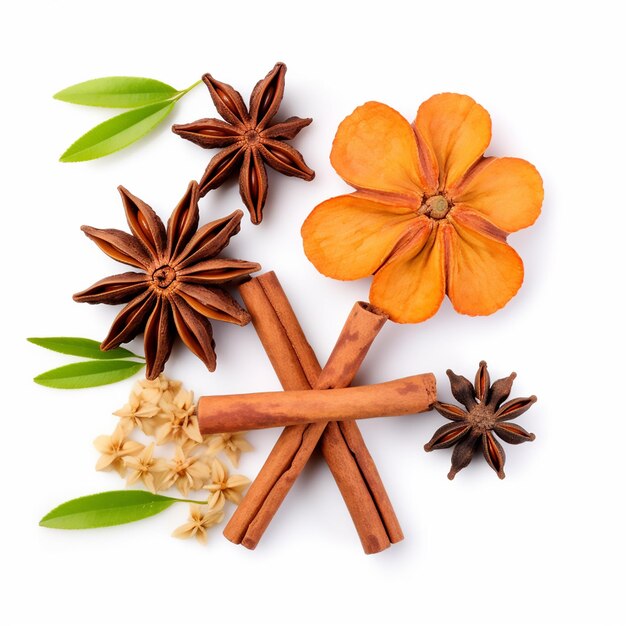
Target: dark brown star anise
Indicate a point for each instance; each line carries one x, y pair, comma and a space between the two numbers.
176, 291
485, 415
249, 139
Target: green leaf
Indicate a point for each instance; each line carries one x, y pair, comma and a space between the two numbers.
79, 346
117, 132
109, 508
122, 92
88, 374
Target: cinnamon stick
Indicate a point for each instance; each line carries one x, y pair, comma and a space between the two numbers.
249, 411
345, 452
297, 368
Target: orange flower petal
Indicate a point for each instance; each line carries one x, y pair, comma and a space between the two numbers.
507, 191
375, 148
349, 237
457, 130
483, 273
466, 216
411, 287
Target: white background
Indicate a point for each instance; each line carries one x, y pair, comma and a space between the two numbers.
544, 546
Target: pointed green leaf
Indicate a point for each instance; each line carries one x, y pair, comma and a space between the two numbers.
117, 133
122, 92
79, 346
88, 374
109, 508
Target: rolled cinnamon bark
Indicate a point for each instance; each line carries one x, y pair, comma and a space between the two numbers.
297, 368
249, 411
345, 452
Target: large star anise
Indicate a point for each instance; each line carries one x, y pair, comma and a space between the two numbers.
249, 139
485, 415
176, 291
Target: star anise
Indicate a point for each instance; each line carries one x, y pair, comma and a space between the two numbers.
249, 138
176, 291
485, 415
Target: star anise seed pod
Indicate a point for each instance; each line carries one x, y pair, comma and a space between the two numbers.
177, 290
484, 415
248, 138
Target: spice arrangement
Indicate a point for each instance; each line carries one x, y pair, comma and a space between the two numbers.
341, 443
175, 456
429, 216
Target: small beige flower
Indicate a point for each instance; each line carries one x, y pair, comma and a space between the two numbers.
113, 448
162, 383
186, 472
200, 519
151, 396
233, 444
224, 487
138, 413
145, 468
190, 445
182, 421
154, 391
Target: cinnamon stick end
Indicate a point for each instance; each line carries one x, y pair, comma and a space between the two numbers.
370, 308
373, 544
430, 383
249, 543
397, 536
233, 535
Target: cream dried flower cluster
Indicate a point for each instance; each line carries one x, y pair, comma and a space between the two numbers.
164, 410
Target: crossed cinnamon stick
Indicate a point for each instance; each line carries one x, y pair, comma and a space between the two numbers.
341, 442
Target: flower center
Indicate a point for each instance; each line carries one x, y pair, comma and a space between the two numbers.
164, 277
436, 207
252, 136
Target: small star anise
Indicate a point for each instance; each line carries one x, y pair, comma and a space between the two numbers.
249, 139
486, 414
177, 290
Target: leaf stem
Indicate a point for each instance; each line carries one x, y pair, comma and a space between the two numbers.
190, 501
180, 94
192, 86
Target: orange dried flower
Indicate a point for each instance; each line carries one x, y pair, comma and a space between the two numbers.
430, 214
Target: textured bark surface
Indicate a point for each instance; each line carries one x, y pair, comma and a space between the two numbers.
250, 411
